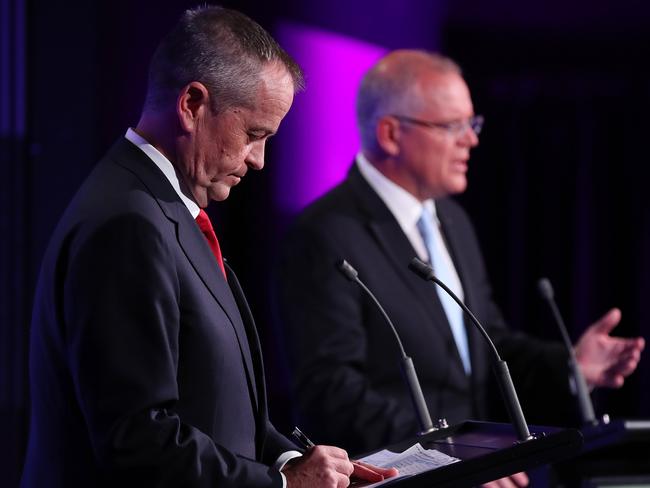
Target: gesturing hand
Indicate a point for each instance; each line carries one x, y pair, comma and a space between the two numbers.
605, 360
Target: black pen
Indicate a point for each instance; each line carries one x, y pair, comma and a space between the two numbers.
302, 439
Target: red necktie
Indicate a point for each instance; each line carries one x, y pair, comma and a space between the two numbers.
208, 231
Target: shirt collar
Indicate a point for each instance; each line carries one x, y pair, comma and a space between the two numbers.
167, 168
403, 205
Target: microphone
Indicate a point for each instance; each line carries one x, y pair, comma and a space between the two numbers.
500, 367
408, 368
578, 383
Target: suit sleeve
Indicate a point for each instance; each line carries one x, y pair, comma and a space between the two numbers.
324, 316
276, 444
121, 313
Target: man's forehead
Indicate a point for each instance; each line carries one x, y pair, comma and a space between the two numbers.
431, 81
441, 89
271, 71
270, 102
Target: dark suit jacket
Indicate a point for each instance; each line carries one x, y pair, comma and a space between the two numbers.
344, 359
142, 371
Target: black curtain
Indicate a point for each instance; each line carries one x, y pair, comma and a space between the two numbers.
558, 186
15, 233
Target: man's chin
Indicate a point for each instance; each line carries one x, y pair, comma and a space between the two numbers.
218, 193
458, 185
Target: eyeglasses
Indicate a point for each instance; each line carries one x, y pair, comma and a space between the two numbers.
455, 128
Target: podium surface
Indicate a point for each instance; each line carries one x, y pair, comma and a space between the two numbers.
616, 453
487, 451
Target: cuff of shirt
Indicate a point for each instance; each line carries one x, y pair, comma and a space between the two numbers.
284, 458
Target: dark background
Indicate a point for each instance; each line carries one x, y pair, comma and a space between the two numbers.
558, 187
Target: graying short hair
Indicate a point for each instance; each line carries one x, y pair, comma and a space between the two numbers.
394, 91
221, 48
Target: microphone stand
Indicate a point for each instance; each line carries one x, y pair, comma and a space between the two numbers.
500, 367
408, 368
580, 389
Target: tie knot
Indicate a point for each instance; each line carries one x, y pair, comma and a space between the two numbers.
204, 221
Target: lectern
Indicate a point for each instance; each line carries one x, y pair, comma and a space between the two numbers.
615, 453
487, 451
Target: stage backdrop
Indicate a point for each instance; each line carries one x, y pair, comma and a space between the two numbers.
558, 186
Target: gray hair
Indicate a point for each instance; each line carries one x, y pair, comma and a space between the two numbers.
390, 87
221, 48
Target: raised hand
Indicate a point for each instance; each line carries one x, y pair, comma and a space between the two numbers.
605, 360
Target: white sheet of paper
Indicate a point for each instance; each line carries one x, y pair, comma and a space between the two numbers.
414, 460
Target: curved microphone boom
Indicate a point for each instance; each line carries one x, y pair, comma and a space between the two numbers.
580, 389
408, 369
511, 400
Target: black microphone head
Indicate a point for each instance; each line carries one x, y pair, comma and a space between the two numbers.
422, 269
545, 288
348, 271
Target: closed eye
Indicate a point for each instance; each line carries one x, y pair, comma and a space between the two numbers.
259, 133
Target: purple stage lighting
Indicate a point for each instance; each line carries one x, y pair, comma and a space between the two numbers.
318, 139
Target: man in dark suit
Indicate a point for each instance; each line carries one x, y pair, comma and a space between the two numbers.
417, 126
145, 365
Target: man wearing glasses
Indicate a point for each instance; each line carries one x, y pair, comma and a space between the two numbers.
417, 126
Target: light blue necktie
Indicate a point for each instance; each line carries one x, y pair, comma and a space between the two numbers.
444, 271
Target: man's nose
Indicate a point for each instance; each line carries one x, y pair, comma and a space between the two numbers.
469, 137
255, 158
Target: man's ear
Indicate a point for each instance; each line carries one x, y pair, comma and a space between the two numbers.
388, 135
192, 103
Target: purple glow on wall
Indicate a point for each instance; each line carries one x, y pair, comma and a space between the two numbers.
318, 139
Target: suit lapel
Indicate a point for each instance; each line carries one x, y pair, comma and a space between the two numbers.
191, 241
398, 251
199, 254
256, 352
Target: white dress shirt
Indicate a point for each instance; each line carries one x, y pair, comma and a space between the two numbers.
405, 208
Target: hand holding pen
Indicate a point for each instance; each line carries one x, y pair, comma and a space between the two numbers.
360, 471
